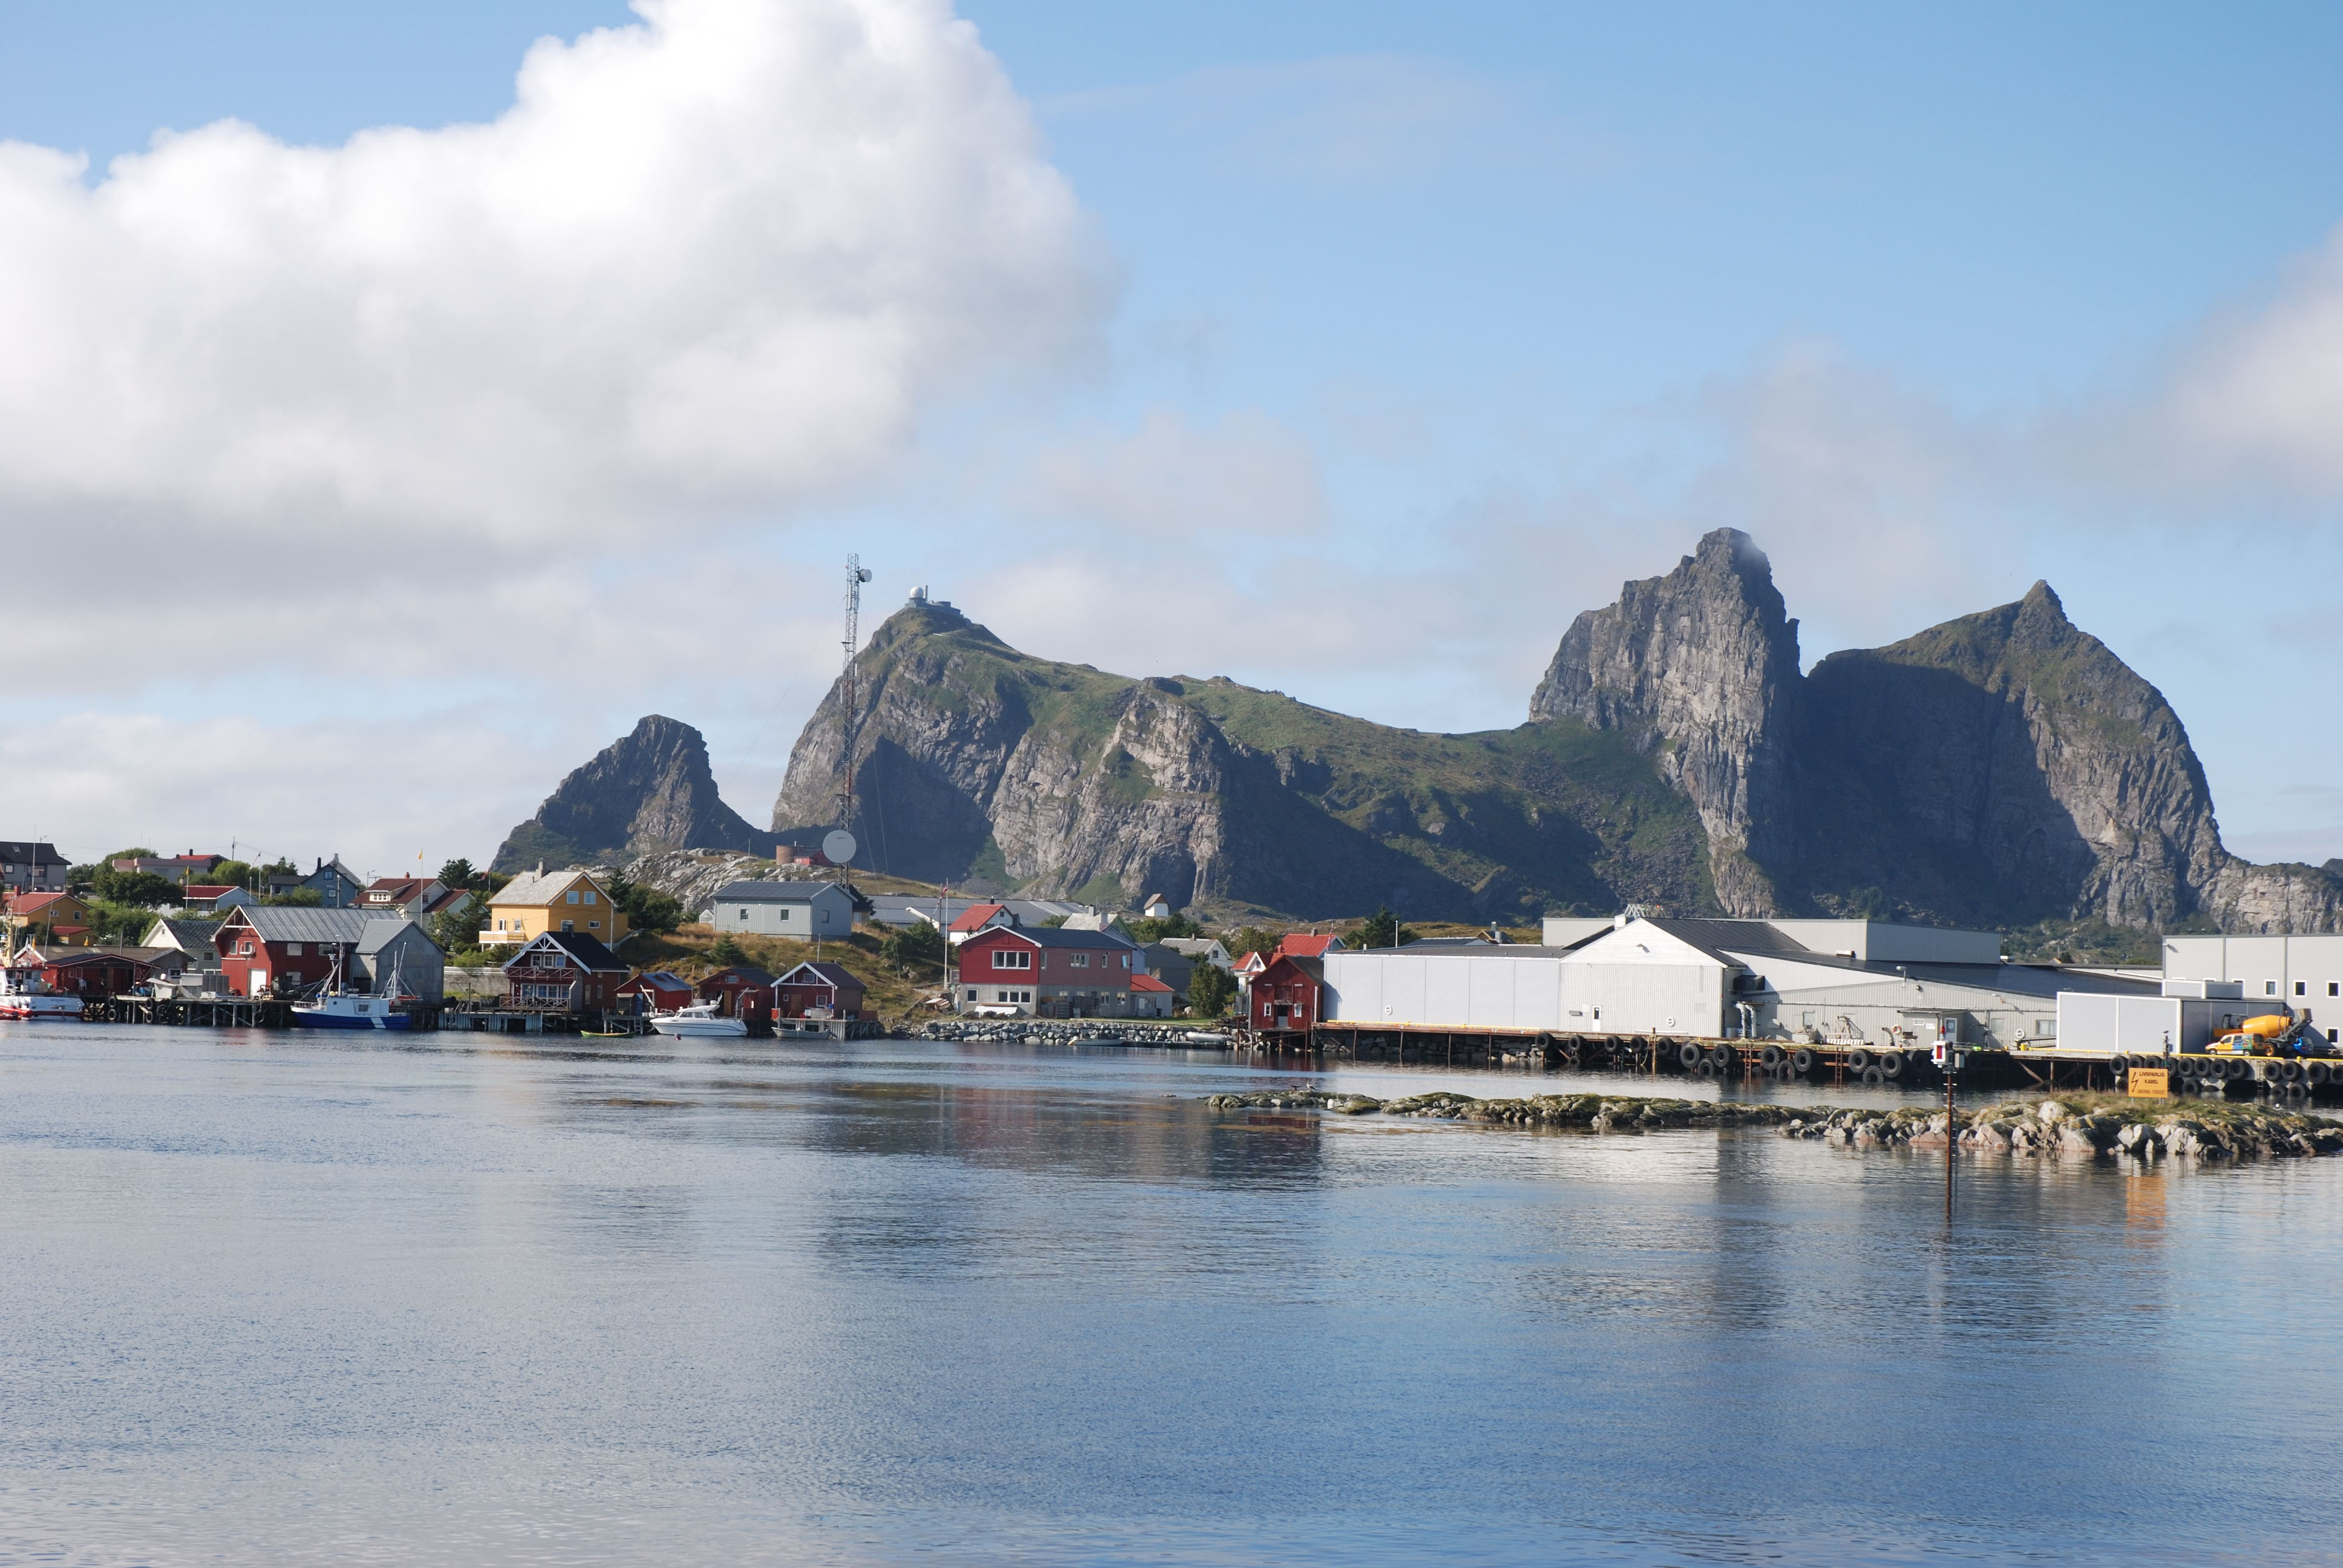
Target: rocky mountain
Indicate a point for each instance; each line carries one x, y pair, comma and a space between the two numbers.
2002, 768
649, 791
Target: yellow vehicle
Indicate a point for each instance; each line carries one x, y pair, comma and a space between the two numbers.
2263, 1036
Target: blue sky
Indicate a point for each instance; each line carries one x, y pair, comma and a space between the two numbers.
1457, 314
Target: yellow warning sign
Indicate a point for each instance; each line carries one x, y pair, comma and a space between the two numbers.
2148, 1083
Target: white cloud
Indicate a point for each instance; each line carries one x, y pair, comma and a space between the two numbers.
716, 259
2259, 395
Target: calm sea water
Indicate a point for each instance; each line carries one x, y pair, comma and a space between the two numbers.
276, 1299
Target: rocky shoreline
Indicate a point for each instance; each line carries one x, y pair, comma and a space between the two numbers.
2077, 1124
1071, 1032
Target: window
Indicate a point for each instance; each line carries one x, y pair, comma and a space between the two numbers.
2269, 988
593, 925
1081, 961
1011, 959
2334, 990
589, 895
1126, 960
972, 993
293, 949
2301, 987
244, 949
1806, 1019
744, 911
573, 898
570, 925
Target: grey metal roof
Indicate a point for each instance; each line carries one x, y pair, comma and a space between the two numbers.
590, 954
302, 923
1059, 936
30, 852
382, 930
774, 892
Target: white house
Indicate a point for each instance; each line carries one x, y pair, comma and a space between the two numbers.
803, 911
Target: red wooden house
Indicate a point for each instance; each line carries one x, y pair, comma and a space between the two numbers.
279, 948
657, 990
1047, 971
818, 990
563, 971
742, 990
1286, 997
84, 971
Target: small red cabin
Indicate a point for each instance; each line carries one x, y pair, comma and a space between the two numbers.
818, 990
83, 972
657, 990
742, 990
1286, 996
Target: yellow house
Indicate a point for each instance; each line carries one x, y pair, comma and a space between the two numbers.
538, 901
53, 918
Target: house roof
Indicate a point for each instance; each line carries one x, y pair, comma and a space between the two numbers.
30, 852
770, 892
34, 903
1315, 968
184, 934
1092, 921
822, 972
1065, 936
1192, 947
302, 923
660, 980
1297, 945
384, 930
589, 954
975, 917
209, 889
1149, 982
536, 890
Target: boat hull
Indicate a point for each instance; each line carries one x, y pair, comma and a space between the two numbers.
343, 1021
37, 1007
700, 1026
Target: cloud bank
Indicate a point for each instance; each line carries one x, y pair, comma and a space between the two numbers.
717, 260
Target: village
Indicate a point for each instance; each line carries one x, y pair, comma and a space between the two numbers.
793, 946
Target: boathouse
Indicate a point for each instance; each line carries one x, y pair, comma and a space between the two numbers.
657, 990
818, 990
741, 990
1288, 996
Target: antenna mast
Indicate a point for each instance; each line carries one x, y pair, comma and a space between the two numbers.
857, 574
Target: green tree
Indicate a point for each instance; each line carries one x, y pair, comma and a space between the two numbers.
1380, 930
231, 874
726, 952
646, 908
914, 949
1171, 925
1252, 939
119, 925
302, 897
1211, 990
457, 874
143, 888
458, 926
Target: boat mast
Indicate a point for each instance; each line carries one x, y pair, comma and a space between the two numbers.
857, 574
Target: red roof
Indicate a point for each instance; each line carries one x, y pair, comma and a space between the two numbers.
30, 903
975, 917
1294, 945
207, 889
1148, 982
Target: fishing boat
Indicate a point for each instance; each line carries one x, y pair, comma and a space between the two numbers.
702, 1018
347, 1010
24, 994
336, 1007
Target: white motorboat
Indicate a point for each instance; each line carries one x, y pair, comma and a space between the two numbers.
24, 994
345, 1009
701, 1019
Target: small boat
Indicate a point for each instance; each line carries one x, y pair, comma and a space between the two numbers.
701, 1019
347, 1010
1101, 1039
1204, 1037
24, 994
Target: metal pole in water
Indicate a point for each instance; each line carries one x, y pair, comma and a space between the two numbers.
1952, 1135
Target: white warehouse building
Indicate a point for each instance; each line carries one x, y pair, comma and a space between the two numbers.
1842, 981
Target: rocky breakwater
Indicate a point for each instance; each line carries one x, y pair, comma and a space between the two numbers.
1179, 1034
2082, 1125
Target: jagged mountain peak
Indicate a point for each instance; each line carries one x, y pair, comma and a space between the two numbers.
650, 789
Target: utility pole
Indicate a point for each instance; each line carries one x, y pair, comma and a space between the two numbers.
857, 574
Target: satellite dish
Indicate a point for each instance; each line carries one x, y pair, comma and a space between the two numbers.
837, 846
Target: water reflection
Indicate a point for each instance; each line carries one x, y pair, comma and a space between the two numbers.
451, 1301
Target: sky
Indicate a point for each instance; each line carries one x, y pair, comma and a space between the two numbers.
399, 401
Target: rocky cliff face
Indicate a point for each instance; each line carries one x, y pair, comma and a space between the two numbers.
649, 791
2000, 769
1699, 670
973, 761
